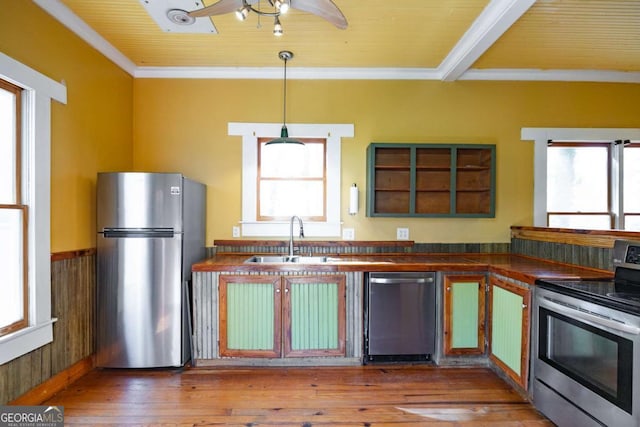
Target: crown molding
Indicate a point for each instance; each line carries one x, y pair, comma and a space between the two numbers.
319, 73
517, 74
265, 73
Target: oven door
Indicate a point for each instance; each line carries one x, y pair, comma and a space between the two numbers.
587, 354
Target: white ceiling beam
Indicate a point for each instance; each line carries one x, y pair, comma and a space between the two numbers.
70, 20
491, 24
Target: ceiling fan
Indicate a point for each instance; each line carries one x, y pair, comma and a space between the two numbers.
325, 9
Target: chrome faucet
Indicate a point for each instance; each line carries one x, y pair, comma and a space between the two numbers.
291, 233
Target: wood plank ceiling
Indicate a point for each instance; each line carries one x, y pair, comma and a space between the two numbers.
569, 35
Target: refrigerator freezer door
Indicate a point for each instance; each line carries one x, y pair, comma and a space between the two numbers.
140, 302
139, 200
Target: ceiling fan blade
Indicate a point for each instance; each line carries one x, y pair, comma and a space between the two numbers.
219, 8
323, 8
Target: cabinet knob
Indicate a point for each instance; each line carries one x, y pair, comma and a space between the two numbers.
286, 290
524, 305
278, 291
448, 288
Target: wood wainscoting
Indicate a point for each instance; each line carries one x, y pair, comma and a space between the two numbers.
73, 296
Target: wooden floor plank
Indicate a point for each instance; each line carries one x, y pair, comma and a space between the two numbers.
351, 396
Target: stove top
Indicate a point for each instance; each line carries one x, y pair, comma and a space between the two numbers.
622, 292
604, 292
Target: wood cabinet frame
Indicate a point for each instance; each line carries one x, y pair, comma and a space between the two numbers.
287, 309
524, 348
449, 280
274, 281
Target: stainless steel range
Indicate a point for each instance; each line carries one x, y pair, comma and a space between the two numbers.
586, 346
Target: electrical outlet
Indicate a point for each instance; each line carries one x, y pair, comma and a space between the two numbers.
348, 234
235, 231
402, 233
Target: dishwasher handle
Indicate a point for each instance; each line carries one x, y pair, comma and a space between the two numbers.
400, 280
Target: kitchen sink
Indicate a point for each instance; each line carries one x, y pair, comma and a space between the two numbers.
278, 259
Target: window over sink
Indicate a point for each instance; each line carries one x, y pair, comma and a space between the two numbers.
292, 180
271, 220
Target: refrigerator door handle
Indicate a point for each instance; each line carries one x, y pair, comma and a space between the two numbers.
116, 233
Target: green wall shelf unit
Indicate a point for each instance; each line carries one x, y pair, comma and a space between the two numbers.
431, 180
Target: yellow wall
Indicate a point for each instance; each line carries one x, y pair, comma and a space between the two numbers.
181, 125
91, 133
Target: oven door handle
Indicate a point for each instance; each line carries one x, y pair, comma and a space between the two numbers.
592, 318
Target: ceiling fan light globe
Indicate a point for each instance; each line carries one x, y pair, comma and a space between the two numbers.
282, 6
242, 13
277, 28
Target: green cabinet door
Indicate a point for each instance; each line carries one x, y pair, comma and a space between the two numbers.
509, 329
250, 316
314, 316
464, 314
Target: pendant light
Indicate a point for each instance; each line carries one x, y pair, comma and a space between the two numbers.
285, 55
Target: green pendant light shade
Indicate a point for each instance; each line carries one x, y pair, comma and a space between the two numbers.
284, 138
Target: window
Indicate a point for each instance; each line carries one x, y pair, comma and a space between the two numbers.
25, 159
275, 221
586, 178
631, 186
292, 180
578, 183
14, 297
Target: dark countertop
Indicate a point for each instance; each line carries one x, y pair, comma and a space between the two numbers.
525, 269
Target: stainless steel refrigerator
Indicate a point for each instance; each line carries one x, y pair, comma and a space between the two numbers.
151, 229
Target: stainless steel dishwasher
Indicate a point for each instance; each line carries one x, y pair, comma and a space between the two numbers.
400, 316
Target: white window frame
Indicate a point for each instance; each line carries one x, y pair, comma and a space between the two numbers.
541, 136
39, 91
250, 133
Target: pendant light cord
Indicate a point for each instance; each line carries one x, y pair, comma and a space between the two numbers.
284, 113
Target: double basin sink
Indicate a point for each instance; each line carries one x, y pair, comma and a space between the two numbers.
286, 259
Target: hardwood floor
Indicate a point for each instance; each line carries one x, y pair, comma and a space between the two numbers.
350, 396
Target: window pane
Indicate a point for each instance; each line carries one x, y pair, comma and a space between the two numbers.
632, 222
588, 222
577, 179
284, 198
631, 180
11, 296
7, 147
287, 161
